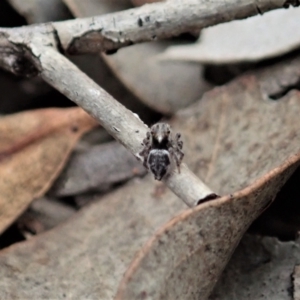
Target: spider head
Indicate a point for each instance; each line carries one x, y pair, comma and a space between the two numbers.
160, 132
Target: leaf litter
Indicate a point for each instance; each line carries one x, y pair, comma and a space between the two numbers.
87, 256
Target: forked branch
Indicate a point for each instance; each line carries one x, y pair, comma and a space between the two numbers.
35, 50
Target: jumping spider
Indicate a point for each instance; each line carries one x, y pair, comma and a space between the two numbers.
159, 150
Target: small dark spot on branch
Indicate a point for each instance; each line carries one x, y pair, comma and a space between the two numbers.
147, 18
24, 67
57, 41
157, 24
208, 198
154, 37
140, 22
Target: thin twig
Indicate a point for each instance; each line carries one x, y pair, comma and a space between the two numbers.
155, 21
121, 123
113, 31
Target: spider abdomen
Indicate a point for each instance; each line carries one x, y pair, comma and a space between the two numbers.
159, 162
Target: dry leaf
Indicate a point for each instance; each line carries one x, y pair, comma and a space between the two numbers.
86, 257
187, 255
155, 83
261, 268
97, 169
250, 40
228, 139
34, 147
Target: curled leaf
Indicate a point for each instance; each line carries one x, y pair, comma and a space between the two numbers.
187, 256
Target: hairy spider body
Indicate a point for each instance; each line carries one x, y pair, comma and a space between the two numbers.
159, 162
160, 150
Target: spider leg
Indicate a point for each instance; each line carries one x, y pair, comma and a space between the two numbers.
178, 142
146, 150
177, 160
178, 146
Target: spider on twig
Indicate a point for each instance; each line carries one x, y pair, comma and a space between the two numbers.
160, 150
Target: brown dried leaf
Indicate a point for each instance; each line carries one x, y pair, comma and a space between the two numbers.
155, 83
251, 40
228, 140
34, 147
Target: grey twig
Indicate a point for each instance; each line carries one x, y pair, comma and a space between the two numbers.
155, 21
113, 31
121, 123
151, 22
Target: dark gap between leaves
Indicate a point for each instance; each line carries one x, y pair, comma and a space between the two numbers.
282, 218
11, 236
69, 200
9, 17
223, 73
